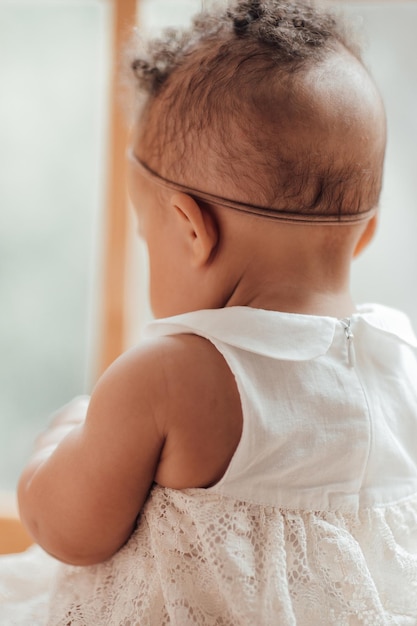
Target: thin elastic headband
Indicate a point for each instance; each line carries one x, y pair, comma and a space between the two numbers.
275, 214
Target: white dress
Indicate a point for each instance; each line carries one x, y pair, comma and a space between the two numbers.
315, 521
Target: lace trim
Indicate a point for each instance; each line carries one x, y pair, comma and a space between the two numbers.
214, 561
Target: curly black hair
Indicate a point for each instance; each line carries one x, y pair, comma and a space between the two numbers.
294, 32
225, 96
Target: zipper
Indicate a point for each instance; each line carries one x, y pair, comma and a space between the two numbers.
347, 326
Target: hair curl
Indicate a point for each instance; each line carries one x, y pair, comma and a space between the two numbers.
294, 32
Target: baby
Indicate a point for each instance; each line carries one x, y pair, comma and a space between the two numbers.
254, 459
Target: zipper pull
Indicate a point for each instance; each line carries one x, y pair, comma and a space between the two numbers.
346, 323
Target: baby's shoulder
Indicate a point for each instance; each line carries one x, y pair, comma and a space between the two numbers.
183, 367
196, 405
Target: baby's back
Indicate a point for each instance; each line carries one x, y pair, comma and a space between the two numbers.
315, 519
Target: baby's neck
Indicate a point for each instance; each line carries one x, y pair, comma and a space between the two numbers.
294, 270
290, 299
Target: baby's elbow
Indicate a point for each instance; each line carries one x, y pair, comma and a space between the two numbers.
79, 548
67, 547
82, 548
82, 558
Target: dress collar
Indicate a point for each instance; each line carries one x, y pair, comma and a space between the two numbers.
286, 336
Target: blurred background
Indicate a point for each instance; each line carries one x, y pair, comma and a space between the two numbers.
56, 60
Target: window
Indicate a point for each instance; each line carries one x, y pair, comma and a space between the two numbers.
54, 80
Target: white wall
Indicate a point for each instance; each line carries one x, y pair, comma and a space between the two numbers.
387, 272
53, 81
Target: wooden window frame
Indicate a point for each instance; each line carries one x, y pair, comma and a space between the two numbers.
112, 326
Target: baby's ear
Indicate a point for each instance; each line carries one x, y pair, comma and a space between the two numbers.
366, 236
198, 227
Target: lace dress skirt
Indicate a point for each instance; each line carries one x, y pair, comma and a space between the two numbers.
204, 560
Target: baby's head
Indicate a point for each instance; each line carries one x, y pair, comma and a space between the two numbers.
266, 103
263, 107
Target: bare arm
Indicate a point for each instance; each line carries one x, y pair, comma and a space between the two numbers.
167, 412
81, 492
